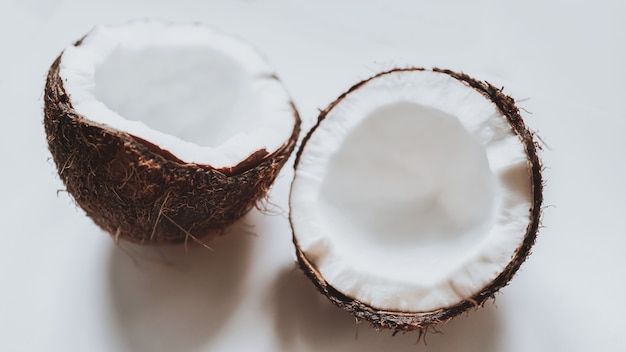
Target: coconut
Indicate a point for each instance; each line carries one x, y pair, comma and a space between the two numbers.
416, 197
166, 132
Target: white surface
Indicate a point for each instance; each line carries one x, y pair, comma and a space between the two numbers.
206, 97
412, 194
65, 287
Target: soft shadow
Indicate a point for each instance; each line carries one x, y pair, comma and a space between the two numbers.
173, 298
304, 314
306, 321
475, 331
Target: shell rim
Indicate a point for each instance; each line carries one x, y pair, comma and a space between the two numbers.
405, 321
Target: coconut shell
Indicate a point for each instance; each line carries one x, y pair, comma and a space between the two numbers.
406, 321
139, 192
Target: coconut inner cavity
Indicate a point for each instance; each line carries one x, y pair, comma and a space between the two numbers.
412, 194
194, 93
203, 96
400, 181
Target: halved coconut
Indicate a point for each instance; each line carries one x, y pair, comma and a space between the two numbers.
416, 197
164, 131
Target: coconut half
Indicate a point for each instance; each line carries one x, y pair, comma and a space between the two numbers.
165, 131
416, 197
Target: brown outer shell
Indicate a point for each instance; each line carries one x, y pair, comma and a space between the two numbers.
405, 321
141, 193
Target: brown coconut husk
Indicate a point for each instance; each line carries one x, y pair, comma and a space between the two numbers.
139, 192
422, 321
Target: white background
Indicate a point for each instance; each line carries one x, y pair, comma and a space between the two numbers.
65, 286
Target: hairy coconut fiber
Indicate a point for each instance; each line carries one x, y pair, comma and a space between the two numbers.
422, 321
141, 193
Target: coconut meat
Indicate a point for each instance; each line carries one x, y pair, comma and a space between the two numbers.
412, 194
205, 97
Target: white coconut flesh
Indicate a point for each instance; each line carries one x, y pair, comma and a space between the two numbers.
205, 97
412, 194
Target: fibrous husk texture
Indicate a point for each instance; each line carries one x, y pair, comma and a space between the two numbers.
403, 321
139, 192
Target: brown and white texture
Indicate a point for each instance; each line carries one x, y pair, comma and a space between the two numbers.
140, 192
343, 290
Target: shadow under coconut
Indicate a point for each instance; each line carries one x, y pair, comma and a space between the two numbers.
172, 298
305, 320
302, 315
